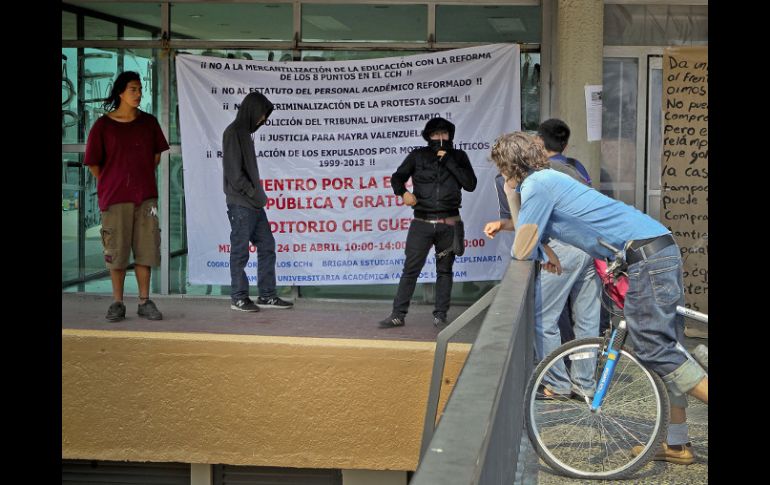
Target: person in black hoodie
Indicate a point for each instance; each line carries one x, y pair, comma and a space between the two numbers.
439, 172
246, 200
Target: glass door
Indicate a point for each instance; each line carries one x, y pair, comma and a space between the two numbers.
654, 134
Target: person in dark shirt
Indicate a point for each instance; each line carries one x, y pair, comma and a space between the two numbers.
439, 172
122, 151
246, 201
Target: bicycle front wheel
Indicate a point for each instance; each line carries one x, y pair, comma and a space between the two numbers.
578, 442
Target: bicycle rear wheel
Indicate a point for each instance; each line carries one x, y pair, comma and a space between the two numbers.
577, 442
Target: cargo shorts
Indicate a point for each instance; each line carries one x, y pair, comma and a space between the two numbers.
127, 227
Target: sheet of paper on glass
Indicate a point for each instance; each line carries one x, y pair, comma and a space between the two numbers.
594, 112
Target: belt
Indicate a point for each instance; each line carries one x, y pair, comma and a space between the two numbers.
644, 248
450, 221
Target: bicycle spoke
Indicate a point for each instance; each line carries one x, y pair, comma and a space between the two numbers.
627, 431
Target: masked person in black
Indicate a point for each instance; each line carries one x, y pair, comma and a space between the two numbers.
246, 208
439, 173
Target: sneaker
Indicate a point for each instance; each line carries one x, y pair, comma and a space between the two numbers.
244, 305
439, 320
392, 321
149, 311
116, 312
679, 454
273, 302
701, 356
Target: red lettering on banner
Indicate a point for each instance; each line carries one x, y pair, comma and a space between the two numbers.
367, 184
337, 183
401, 224
360, 225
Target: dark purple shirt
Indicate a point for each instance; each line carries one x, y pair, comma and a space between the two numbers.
125, 152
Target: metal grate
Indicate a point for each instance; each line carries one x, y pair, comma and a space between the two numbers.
93, 472
260, 475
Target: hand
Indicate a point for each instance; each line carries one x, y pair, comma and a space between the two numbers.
441, 153
409, 198
492, 228
553, 265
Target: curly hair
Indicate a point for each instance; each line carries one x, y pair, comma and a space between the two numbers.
515, 154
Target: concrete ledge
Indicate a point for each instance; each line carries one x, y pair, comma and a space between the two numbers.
247, 399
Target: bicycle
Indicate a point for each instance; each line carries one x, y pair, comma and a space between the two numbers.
591, 432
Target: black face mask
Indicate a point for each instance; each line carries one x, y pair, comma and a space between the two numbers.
437, 145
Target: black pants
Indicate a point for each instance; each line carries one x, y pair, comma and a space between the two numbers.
422, 235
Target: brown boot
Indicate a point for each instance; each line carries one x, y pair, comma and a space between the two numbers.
679, 454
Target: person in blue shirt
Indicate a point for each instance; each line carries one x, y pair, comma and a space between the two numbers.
559, 299
554, 205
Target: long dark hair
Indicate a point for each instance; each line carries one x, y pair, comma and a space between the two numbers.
112, 101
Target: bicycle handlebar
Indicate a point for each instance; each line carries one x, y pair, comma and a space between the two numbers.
608, 246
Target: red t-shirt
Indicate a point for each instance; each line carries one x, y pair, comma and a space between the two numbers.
126, 154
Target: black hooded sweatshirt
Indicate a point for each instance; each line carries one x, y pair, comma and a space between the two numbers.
437, 180
241, 173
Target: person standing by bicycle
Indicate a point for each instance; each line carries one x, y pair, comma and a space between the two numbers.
555, 205
122, 152
559, 299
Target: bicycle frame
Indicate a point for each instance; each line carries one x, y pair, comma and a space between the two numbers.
609, 360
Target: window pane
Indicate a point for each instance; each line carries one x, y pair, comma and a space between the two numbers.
98, 29
139, 20
619, 97
177, 225
490, 23
131, 33
364, 23
68, 26
70, 205
530, 90
94, 83
656, 25
320, 55
92, 220
258, 21
79, 206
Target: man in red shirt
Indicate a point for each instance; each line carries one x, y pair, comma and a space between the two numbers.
122, 152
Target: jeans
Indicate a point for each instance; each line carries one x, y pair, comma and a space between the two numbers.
655, 288
250, 225
580, 283
421, 237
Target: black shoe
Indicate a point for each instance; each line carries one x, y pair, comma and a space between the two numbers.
244, 305
116, 312
149, 311
439, 320
580, 397
392, 321
273, 302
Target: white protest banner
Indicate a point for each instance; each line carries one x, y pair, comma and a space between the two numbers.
338, 132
